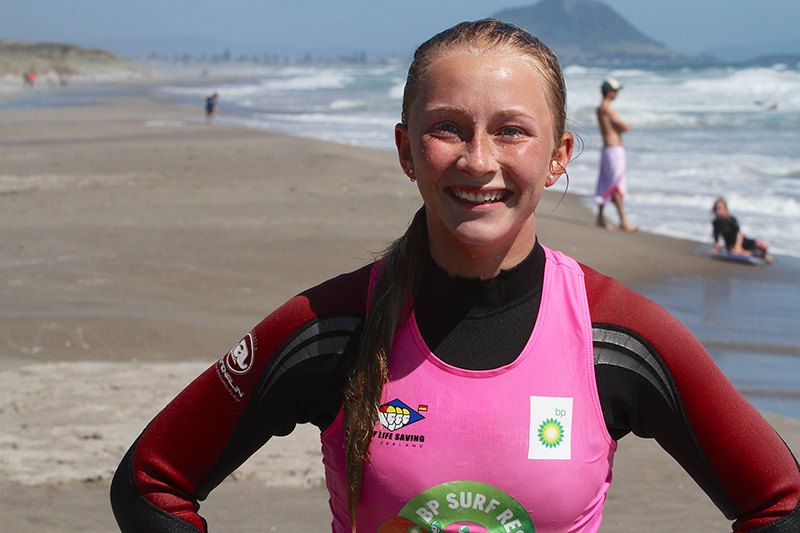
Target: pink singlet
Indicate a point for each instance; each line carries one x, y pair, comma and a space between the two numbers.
522, 448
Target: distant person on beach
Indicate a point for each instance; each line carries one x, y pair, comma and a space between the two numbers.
211, 108
471, 378
29, 78
727, 227
611, 181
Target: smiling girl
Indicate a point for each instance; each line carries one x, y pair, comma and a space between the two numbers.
471, 379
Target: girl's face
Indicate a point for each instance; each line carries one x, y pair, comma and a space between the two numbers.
480, 144
720, 210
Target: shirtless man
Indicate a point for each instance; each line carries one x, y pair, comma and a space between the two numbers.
611, 183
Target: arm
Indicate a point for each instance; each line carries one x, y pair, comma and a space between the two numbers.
234, 407
610, 119
611, 125
657, 381
716, 235
619, 125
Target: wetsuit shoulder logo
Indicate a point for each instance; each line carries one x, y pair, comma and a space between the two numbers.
240, 359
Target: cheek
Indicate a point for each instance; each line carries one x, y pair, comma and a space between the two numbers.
432, 152
433, 159
534, 165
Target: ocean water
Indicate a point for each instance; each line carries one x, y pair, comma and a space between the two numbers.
695, 134
750, 327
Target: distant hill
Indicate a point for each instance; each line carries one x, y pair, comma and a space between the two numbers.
787, 60
590, 33
17, 57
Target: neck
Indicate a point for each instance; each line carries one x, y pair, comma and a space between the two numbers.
461, 319
483, 261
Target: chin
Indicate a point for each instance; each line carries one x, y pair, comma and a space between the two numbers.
472, 234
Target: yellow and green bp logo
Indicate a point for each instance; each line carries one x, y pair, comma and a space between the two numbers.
551, 433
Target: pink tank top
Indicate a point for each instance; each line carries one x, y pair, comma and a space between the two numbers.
522, 448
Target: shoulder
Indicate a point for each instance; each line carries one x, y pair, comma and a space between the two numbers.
613, 304
605, 293
342, 296
346, 292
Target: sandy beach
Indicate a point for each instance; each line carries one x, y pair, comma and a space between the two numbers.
139, 244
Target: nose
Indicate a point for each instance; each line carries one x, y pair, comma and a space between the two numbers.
478, 157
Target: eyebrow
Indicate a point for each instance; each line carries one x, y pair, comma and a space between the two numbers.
513, 112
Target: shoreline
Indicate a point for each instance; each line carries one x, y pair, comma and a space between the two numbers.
141, 244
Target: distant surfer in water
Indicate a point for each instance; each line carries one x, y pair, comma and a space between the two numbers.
727, 227
611, 183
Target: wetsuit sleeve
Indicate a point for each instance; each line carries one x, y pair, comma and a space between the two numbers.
656, 380
290, 369
717, 232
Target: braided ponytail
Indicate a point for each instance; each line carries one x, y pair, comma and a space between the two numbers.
389, 309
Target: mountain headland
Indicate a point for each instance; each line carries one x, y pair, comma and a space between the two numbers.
590, 33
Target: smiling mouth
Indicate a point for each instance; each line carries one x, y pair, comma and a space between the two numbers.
488, 197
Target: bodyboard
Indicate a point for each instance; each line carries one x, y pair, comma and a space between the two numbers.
739, 258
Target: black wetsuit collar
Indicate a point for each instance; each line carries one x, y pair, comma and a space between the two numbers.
462, 319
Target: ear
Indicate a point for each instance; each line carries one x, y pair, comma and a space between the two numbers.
403, 143
561, 158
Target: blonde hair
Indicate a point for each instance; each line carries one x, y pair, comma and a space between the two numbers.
488, 35
404, 261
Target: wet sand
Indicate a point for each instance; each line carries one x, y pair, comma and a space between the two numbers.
138, 246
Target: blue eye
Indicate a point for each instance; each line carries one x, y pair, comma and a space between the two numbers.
510, 131
446, 126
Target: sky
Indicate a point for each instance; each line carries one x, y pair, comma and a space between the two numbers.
377, 27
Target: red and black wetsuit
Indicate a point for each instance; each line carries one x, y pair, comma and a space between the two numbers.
654, 380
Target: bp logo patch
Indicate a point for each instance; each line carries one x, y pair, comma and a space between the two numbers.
551, 433
551, 428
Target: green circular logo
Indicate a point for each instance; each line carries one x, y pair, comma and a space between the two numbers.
467, 502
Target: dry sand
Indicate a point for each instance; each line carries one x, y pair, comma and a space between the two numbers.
139, 244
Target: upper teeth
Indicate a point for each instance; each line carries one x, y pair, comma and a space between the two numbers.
480, 197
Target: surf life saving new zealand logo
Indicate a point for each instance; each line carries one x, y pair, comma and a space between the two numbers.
396, 415
236, 362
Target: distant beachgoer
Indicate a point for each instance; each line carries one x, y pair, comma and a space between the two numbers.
471, 379
211, 108
29, 78
611, 181
727, 227
765, 105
